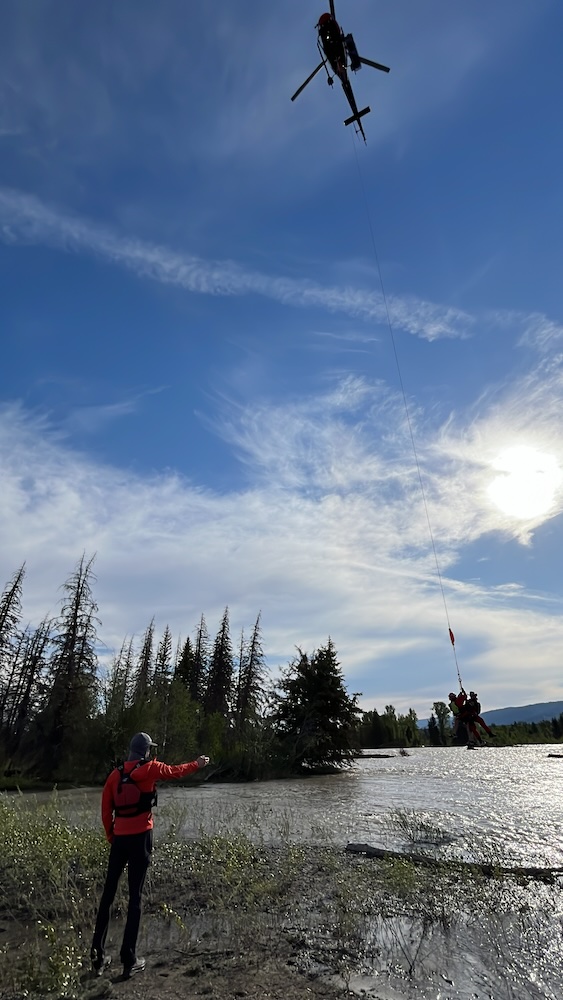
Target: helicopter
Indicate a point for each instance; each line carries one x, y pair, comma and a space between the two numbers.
339, 51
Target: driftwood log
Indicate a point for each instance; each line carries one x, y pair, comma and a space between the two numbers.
372, 756
475, 868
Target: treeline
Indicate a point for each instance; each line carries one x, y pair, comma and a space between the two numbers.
390, 729
64, 719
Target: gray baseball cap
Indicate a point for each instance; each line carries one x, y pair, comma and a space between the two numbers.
140, 746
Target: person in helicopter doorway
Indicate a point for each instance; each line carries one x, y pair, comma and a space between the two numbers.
128, 797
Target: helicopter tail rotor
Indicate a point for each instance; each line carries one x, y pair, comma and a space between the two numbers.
356, 118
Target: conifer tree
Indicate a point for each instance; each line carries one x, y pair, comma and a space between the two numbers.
249, 692
10, 642
10, 610
183, 670
161, 686
10, 682
316, 719
117, 691
143, 676
220, 675
73, 668
163, 661
373, 731
391, 725
24, 703
197, 680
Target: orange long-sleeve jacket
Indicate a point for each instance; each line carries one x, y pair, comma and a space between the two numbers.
146, 777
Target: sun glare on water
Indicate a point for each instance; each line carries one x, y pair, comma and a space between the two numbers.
527, 484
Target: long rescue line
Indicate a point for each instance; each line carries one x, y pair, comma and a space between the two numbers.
409, 424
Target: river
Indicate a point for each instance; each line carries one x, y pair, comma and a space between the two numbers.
509, 800
501, 804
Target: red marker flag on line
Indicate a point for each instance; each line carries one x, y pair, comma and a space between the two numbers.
452, 637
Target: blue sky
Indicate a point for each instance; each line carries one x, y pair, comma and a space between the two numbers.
199, 382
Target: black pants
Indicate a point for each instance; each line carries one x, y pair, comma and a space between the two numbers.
133, 850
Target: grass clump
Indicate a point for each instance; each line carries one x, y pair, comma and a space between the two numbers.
220, 873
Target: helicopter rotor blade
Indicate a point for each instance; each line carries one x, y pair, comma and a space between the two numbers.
332, 9
308, 80
374, 65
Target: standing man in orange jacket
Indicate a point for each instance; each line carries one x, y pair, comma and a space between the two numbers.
127, 800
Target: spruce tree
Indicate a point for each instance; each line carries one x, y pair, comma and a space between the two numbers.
143, 675
183, 670
197, 680
162, 679
10, 610
163, 661
117, 694
220, 675
25, 700
249, 690
72, 699
10, 644
316, 720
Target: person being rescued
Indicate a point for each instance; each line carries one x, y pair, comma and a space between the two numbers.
474, 706
470, 716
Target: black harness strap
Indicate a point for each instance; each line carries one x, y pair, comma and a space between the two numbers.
141, 804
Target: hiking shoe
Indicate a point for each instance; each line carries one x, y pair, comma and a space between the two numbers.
132, 970
99, 965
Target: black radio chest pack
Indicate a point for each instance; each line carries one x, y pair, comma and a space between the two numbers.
129, 800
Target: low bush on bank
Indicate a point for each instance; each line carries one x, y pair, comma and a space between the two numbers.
48, 867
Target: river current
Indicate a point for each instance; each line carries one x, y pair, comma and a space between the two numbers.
497, 804
505, 800
502, 800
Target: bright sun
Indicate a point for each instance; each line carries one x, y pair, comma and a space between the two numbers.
527, 482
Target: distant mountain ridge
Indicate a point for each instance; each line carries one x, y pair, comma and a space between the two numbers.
520, 713
524, 713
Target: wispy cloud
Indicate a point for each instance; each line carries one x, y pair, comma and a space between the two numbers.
90, 419
538, 330
328, 536
26, 220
